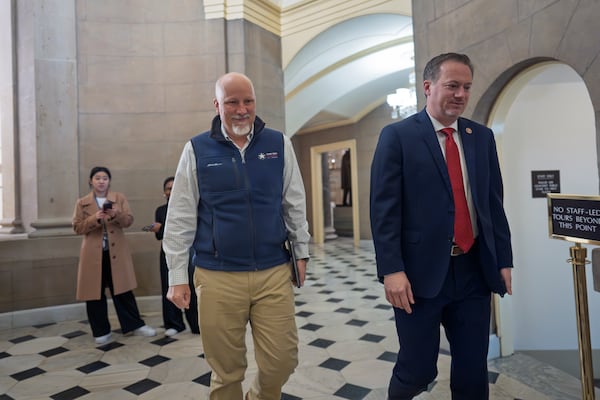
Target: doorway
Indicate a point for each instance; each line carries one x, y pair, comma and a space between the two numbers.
316, 169
543, 120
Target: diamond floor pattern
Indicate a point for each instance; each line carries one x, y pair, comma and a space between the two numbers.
347, 349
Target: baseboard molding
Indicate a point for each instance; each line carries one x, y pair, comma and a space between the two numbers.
565, 360
494, 347
67, 312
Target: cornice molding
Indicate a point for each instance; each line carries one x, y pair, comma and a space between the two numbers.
300, 17
260, 12
311, 14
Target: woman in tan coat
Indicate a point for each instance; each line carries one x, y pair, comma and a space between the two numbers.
105, 259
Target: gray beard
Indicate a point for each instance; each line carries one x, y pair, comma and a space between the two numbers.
241, 130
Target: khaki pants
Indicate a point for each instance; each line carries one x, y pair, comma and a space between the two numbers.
227, 301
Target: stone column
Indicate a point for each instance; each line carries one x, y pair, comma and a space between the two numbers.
10, 206
48, 113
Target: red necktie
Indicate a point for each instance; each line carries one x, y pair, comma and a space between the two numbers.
463, 230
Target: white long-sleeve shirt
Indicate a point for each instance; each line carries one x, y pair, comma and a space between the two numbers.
180, 226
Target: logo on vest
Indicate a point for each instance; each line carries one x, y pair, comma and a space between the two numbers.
270, 155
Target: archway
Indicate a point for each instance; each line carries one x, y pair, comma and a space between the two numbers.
543, 121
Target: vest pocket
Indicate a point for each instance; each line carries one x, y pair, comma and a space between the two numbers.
218, 174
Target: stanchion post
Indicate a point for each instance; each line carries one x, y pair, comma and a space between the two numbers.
578, 260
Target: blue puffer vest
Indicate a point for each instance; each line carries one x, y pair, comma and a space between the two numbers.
240, 223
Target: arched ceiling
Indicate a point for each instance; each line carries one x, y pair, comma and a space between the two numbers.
347, 70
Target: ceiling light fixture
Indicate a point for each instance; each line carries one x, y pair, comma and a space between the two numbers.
404, 101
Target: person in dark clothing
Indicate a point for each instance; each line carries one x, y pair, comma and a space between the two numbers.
172, 315
441, 236
346, 179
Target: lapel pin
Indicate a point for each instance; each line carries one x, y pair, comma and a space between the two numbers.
469, 131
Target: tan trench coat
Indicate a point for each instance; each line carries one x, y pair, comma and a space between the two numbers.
89, 274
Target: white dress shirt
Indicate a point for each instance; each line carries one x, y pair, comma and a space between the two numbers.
463, 165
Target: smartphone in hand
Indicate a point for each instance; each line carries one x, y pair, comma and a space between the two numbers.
148, 228
107, 205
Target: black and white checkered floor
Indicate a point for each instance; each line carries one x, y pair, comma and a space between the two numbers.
347, 350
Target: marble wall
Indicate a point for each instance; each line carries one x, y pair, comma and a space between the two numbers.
125, 84
119, 84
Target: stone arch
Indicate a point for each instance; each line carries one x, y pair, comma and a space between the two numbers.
486, 102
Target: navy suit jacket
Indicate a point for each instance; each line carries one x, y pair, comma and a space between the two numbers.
412, 208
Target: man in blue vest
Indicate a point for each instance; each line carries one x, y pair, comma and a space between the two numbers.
238, 195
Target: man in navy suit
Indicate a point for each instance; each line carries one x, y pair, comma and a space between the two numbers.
429, 276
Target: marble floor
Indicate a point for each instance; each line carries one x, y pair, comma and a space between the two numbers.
347, 349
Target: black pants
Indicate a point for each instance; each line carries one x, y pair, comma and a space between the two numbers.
125, 306
463, 308
172, 316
